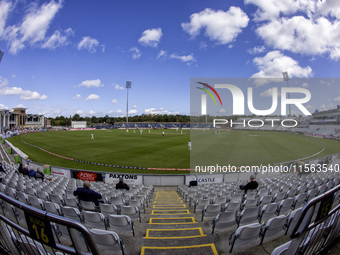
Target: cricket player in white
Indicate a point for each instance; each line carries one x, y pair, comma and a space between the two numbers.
92, 137
189, 145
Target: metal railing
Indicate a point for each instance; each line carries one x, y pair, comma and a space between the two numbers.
13, 235
318, 226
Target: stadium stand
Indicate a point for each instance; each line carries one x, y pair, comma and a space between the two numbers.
143, 222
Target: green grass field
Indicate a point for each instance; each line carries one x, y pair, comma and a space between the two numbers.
116, 147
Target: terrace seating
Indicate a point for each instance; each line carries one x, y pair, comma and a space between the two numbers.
121, 223
248, 215
72, 213
201, 204
131, 211
94, 219
211, 211
224, 220
273, 229
245, 236
267, 211
107, 241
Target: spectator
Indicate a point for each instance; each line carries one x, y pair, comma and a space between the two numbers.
193, 182
39, 174
86, 194
20, 169
25, 170
121, 184
250, 185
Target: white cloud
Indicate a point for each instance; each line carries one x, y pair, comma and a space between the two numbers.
92, 97
20, 106
269, 9
117, 87
337, 98
160, 111
78, 96
91, 83
300, 26
89, 44
305, 85
136, 53
151, 37
5, 8
133, 111
162, 53
220, 26
58, 39
274, 63
26, 95
268, 93
80, 112
114, 101
33, 28
2, 106
184, 58
257, 50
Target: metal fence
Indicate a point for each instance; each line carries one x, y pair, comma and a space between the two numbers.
318, 226
33, 231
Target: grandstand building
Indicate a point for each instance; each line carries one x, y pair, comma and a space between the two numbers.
329, 117
18, 118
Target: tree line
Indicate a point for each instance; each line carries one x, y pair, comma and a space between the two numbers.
66, 121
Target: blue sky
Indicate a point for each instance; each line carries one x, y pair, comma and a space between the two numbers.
68, 57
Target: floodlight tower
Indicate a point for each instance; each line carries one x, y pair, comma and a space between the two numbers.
286, 78
128, 86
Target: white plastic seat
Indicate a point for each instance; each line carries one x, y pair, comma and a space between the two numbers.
224, 220
52, 208
299, 201
72, 202
278, 197
246, 237
236, 197
248, 215
107, 241
31, 191
284, 206
231, 206
200, 204
220, 200
22, 197
249, 203
267, 211
282, 249
292, 220
273, 229
121, 223
55, 198
211, 211
43, 195
138, 203
265, 200
94, 219
71, 213
311, 194
88, 205
117, 201
36, 202
131, 211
